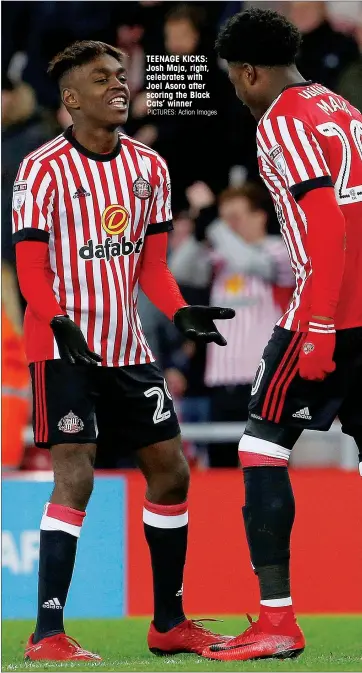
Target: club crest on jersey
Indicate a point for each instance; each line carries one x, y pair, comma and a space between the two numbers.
276, 155
19, 194
71, 424
142, 188
115, 219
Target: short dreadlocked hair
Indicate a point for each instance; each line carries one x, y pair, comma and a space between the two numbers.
78, 54
259, 37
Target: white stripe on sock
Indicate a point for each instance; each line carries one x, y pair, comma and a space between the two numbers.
263, 447
277, 602
48, 523
161, 521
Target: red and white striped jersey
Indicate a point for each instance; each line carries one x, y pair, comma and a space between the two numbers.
256, 312
310, 137
94, 210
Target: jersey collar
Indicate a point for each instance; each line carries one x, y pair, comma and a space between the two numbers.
308, 82
289, 86
68, 135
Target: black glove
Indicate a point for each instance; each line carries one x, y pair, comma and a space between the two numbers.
72, 345
197, 322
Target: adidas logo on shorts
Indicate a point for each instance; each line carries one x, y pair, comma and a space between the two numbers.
303, 413
53, 604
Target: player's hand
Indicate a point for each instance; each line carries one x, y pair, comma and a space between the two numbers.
316, 354
197, 323
71, 343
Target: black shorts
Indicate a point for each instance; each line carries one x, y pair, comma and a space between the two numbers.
281, 396
126, 407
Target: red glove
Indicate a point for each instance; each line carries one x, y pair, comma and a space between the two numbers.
316, 353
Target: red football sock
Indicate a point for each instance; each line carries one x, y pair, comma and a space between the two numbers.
279, 620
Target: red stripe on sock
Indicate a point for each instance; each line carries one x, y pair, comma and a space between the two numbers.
257, 460
166, 510
66, 514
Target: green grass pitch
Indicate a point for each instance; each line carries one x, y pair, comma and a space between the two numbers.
334, 643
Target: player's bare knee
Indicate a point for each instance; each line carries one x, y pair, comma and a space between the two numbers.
74, 490
170, 487
167, 472
175, 485
73, 474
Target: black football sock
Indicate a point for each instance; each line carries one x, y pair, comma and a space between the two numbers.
269, 515
58, 544
357, 436
166, 534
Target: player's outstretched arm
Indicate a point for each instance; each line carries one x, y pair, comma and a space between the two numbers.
159, 285
31, 262
326, 247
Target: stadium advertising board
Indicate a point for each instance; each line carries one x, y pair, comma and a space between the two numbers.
101, 556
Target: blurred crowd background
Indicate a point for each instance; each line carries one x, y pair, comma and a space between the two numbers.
225, 248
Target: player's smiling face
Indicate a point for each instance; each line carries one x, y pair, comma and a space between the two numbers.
99, 90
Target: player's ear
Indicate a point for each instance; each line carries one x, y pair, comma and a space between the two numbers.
250, 73
70, 99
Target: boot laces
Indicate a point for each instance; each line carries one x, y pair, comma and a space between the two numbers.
254, 626
199, 624
251, 631
70, 641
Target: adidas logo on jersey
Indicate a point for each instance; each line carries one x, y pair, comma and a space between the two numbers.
80, 192
110, 249
303, 413
53, 604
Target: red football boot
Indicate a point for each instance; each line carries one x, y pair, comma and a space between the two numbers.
58, 648
189, 636
256, 643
